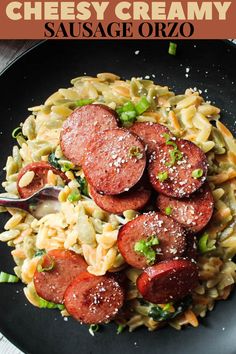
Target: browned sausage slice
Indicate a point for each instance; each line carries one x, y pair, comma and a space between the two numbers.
51, 284
175, 177
168, 281
194, 212
150, 133
170, 234
81, 126
94, 299
135, 199
191, 247
40, 170
114, 162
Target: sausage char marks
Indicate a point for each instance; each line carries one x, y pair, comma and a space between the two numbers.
170, 235
114, 162
194, 212
94, 299
178, 172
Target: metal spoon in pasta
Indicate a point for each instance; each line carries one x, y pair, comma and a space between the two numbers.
43, 202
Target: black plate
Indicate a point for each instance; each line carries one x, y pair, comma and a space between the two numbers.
28, 82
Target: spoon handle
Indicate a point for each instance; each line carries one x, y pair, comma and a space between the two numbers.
14, 203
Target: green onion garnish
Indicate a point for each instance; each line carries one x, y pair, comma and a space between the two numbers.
8, 278
128, 112
53, 160
175, 154
144, 247
51, 265
44, 304
120, 328
142, 105
84, 102
168, 210
135, 151
39, 253
162, 176
83, 185
93, 328
128, 107
197, 173
74, 196
172, 48
67, 166
204, 245
128, 118
17, 132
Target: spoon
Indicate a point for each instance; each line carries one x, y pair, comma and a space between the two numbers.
43, 202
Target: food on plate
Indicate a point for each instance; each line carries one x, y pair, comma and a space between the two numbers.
54, 273
145, 232
34, 176
152, 134
114, 161
150, 238
82, 124
168, 281
92, 299
134, 199
177, 168
194, 212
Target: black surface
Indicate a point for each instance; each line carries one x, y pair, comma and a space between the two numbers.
28, 82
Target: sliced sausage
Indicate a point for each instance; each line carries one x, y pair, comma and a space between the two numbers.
51, 284
150, 133
40, 170
135, 199
168, 281
81, 126
94, 299
114, 162
191, 247
170, 234
194, 212
179, 181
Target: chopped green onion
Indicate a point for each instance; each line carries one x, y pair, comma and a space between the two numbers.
168, 210
197, 173
93, 328
144, 247
17, 132
84, 102
142, 105
172, 48
128, 118
120, 328
8, 278
53, 160
83, 185
128, 107
135, 151
39, 253
44, 304
175, 154
67, 166
204, 245
74, 196
162, 176
51, 265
